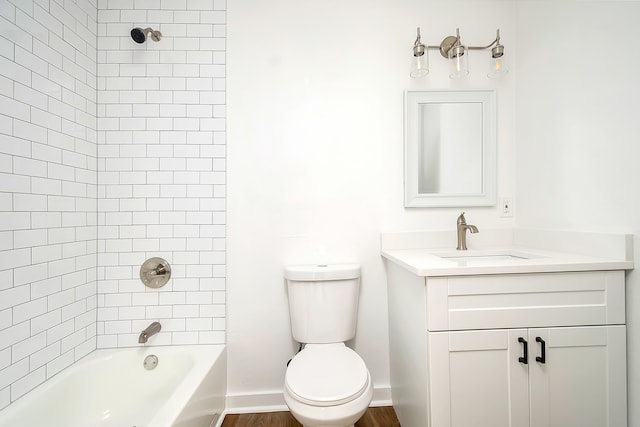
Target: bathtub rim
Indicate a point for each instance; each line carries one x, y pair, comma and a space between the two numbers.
167, 414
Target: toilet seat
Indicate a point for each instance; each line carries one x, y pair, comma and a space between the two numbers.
326, 375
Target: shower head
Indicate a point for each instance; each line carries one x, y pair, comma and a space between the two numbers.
139, 35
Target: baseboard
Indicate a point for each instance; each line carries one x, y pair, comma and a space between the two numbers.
274, 401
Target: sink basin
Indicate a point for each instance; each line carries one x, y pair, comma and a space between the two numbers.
464, 258
483, 257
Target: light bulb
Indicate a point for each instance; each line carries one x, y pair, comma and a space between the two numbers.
497, 68
458, 57
419, 66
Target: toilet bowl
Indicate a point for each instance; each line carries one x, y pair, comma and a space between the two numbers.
327, 384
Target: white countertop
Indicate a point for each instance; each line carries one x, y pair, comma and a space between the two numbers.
419, 253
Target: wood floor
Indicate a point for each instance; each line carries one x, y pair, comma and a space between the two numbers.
383, 416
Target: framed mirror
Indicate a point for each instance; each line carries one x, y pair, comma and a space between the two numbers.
450, 148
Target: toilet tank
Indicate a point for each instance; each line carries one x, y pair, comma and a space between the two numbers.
323, 302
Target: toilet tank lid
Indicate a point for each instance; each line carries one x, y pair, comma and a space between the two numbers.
318, 272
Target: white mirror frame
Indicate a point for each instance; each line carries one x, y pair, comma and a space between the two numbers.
412, 139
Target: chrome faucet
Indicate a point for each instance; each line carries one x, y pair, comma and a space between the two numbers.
462, 232
152, 329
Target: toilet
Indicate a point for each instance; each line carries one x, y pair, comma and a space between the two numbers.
327, 384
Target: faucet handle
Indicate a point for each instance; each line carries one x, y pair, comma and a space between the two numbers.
461, 219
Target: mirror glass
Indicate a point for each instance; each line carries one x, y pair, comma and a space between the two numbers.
450, 148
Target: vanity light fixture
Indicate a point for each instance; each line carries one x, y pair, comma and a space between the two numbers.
420, 64
457, 53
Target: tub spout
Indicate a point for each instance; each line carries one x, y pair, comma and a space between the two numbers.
152, 329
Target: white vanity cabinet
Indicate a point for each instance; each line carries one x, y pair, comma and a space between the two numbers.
508, 350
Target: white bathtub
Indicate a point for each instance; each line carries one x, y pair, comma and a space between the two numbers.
111, 388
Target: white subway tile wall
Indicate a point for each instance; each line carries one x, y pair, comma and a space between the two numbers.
161, 170
48, 189
110, 153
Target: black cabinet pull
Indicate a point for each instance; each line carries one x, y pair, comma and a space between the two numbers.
525, 351
542, 358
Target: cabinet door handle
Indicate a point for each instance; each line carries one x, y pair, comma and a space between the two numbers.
525, 351
542, 358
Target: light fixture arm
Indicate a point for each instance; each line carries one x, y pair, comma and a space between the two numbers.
452, 41
418, 47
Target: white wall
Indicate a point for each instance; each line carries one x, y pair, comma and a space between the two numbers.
161, 170
315, 157
47, 190
578, 99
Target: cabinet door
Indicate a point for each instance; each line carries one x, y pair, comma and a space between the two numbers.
476, 379
582, 380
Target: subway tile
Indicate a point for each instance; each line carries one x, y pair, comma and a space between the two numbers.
184, 338
59, 331
13, 297
46, 287
107, 341
30, 167
186, 311
147, 83
46, 219
117, 326
173, 4
170, 298
212, 97
28, 346
6, 123
14, 372
173, 164
61, 235
62, 266
61, 203
190, 204
13, 108
44, 355
172, 57
133, 231
146, 190
199, 111
6, 241
117, 300
158, 97
146, 245
199, 324
15, 34
172, 110
71, 341
186, 124
145, 298
6, 50
46, 186
13, 184
158, 311
186, 97
84, 320
13, 335
172, 217
8, 10
28, 238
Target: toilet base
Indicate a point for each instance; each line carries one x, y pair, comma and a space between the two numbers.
344, 415
352, 425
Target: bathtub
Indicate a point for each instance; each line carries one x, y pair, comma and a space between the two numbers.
112, 388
